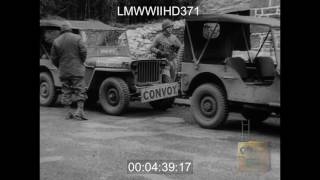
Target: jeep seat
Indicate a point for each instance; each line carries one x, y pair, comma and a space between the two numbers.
265, 68
239, 65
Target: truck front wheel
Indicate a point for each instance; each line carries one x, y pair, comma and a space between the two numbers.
209, 106
114, 95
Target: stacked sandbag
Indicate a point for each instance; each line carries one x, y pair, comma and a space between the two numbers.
140, 39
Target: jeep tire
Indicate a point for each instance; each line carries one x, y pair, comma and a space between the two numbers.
163, 104
209, 106
114, 95
48, 94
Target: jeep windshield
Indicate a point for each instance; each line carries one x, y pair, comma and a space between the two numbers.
102, 43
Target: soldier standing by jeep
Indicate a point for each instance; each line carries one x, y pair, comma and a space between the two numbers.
68, 54
166, 45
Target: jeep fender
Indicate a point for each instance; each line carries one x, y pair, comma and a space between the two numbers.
47, 66
201, 78
94, 76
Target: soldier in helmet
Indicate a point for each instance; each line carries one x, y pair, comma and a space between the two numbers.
166, 45
68, 54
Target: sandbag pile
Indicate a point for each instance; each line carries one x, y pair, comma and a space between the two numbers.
140, 39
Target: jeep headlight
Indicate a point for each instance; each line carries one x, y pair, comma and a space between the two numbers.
125, 65
134, 65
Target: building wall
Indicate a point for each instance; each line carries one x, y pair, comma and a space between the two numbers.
263, 8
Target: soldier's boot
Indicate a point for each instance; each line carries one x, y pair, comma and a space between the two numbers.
68, 113
79, 114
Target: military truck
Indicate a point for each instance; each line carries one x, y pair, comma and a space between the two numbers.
113, 76
220, 71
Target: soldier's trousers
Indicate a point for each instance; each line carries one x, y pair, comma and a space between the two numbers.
172, 68
73, 87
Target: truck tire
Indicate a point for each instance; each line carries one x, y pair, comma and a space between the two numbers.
256, 115
163, 104
48, 94
114, 95
209, 106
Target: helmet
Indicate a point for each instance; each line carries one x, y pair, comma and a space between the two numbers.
166, 24
66, 26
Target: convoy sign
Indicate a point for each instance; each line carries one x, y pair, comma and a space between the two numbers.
160, 91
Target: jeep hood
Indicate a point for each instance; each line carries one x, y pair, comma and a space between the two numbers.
112, 62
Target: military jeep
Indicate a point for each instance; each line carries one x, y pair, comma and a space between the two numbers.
222, 71
113, 77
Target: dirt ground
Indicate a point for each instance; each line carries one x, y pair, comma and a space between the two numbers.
98, 149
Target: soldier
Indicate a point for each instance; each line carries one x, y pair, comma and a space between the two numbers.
166, 45
68, 54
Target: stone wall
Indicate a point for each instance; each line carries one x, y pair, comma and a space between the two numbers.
263, 8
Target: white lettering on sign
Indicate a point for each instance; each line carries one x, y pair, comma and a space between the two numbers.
159, 92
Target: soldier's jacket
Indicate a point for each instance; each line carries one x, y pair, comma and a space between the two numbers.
68, 54
169, 44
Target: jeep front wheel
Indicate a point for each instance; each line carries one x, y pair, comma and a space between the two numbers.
114, 95
48, 95
209, 106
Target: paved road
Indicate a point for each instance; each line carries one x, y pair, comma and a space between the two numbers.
98, 149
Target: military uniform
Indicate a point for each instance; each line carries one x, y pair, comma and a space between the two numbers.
68, 54
167, 46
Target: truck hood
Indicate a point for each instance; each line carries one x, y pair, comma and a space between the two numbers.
110, 62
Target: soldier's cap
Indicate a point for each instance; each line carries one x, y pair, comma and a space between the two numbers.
66, 26
166, 24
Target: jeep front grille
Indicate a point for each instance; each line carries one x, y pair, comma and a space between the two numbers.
148, 71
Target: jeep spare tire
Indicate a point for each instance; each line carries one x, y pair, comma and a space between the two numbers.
48, 95
209, 106
114, 95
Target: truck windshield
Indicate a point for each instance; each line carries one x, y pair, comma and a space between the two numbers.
105, 43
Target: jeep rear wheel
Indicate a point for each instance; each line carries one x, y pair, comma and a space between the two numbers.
163, 104
209, 106
48, 95
114, 95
